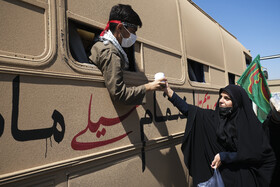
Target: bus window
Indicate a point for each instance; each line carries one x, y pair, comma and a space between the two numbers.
248, 61
81, 39
22, 40
131, 57
196, 71
231, 78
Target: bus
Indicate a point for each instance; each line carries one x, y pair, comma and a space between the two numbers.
58, 124
274, 85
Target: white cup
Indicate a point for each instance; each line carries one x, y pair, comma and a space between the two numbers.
159, 75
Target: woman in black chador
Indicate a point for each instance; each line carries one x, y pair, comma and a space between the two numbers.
230, 138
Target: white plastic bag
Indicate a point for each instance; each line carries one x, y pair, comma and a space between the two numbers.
215, 181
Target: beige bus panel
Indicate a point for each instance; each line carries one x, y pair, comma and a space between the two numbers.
201, 36
154, 19
164, 167
38, 99
156, 60
157, 172
218, 77
274, 86
162, 51
165, 115
48, 179
95, 11
82, 106
26, 31
234, 54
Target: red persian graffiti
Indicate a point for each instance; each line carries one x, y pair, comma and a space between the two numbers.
204, 100
93, 127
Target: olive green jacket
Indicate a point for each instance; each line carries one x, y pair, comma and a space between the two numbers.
111, 63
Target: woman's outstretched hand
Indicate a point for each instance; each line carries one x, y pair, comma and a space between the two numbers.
167, 90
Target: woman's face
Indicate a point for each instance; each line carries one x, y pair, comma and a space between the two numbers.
225, 100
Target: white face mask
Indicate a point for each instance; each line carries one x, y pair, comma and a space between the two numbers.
128, 42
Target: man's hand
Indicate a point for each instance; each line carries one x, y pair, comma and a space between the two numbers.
156, 85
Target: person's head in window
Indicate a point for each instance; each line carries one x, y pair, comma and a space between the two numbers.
123, 23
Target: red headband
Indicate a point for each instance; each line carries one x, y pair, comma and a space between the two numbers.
108, 25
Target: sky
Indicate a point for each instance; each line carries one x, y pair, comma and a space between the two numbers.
255, 24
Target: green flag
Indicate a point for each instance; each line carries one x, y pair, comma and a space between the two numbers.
254, 82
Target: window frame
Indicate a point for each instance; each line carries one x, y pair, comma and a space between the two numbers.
15, 59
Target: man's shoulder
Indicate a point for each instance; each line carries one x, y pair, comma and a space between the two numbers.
102, 52
105, 46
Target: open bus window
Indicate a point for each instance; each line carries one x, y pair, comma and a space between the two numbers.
231, 78
196, 71
248, 61
82, 38
131, 58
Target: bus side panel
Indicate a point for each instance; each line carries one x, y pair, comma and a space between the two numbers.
160, 171
54, 123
